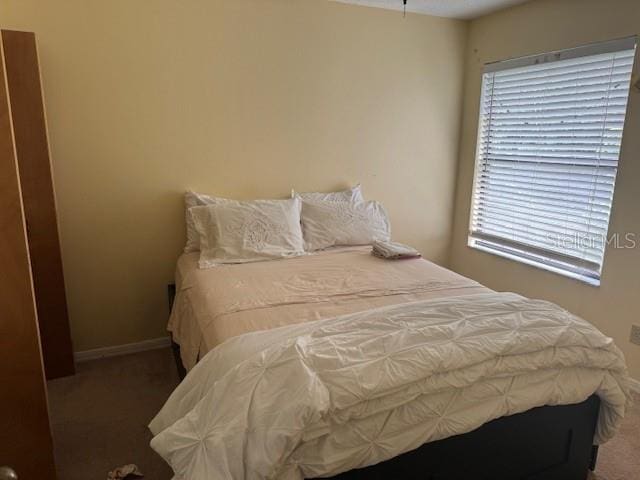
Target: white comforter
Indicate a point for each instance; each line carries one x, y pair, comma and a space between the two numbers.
325, 397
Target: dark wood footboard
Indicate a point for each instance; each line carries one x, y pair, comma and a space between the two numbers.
545, 443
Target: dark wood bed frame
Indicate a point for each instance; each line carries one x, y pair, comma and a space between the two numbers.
545, 443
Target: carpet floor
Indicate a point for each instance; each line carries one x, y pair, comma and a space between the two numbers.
99, 419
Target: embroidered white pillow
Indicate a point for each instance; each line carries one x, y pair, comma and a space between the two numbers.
325, 224
240, 232
353, 194
193, 199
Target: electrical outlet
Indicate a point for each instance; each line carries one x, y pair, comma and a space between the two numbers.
635, 334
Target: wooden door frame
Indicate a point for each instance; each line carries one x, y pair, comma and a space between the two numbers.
25, 433
26, 102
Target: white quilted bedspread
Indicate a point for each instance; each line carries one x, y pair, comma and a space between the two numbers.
325, 397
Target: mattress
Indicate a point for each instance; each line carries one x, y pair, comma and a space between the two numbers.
216, 304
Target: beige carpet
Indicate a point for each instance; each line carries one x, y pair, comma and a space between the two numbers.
100, 415
619, 459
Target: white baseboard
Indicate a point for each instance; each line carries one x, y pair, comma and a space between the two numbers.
163, 342
635, 385
117, 350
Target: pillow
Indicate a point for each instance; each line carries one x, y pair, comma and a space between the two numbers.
239, 232
193, 199
353, 194
326, 224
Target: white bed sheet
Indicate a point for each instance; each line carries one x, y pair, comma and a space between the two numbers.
219, 303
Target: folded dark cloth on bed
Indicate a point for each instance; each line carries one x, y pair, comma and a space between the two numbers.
394, 250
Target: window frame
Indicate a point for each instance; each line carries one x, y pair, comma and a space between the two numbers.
550, 262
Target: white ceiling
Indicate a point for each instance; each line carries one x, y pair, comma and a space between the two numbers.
464, 9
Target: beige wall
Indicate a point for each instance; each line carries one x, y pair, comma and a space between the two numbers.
542, 26
241, 98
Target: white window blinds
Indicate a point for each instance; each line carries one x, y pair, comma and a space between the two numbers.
549, 140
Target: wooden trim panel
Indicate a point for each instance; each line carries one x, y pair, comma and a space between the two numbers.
25, 436
32, 148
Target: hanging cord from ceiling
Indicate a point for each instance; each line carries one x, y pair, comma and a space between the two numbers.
404, 8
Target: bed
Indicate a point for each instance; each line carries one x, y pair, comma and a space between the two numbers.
215, 304
231, 316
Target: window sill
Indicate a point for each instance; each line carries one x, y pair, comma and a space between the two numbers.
594, 282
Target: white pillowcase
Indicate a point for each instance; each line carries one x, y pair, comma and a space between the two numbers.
326, 224
193, 199
353, 194
240, 232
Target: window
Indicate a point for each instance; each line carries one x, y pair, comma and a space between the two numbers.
549, 140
